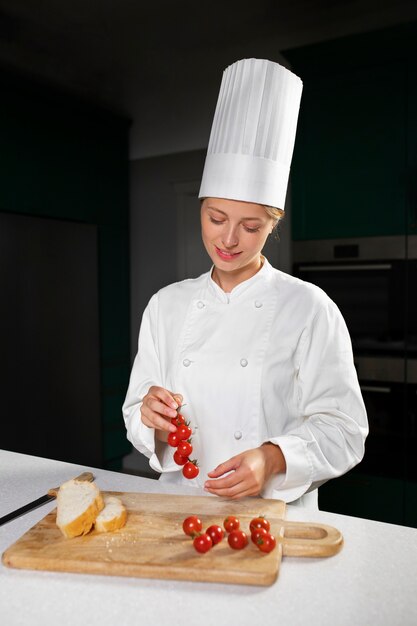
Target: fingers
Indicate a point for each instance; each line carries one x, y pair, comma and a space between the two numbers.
238, 488
178, 399
158, 407
236, 484
246, 478
165, 396
221, 469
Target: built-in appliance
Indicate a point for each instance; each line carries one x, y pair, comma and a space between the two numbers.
374, 283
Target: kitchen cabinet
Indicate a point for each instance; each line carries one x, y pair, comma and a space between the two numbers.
66, 159
354, 167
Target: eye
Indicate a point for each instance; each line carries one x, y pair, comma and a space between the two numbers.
213, 221
252, 230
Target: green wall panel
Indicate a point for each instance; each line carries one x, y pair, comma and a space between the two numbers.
354, 158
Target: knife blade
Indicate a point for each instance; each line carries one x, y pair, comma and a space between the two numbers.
51, 495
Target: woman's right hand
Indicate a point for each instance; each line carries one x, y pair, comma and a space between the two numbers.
158, 406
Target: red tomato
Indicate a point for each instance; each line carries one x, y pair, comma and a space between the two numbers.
267, 543
202, 543
179, 459
190, 469
177, 421
259, 522
237, 539
184, 431
173, 439
180, 418
231, 523
185, 448
215, 533
192, 525
257, 533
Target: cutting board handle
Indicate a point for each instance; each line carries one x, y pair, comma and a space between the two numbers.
309, 539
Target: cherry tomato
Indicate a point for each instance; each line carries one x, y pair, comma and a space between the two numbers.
257, 533
190, 469
177, 421
259, 522
184, 431
215, 533
192, 525
202, 543
185, 448
179, 459
173, 439
267, 543
237, 539
231, 523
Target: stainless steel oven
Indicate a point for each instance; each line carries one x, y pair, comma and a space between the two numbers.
374, 283
389, 389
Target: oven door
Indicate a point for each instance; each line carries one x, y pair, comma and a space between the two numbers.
372, 300
385, 448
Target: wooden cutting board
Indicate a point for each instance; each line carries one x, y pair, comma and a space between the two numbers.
153, 545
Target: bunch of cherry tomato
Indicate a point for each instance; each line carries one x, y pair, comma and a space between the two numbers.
237, 539
181, 440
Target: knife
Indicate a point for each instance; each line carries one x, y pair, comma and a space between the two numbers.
51, 495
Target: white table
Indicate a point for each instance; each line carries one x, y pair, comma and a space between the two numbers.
372, 581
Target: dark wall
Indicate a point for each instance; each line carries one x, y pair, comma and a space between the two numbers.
67, 159
154, 223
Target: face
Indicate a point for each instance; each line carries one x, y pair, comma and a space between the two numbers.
234, 233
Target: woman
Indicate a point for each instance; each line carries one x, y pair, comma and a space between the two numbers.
262, 360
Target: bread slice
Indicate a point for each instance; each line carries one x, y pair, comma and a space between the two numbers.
78, 504
112, 517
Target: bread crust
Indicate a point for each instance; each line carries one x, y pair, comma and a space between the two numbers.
82, 524
113, 524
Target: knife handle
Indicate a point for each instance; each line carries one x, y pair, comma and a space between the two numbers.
88, 476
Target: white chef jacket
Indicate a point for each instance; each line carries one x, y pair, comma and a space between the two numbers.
270, 361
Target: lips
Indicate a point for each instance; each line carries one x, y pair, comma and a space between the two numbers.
225, 255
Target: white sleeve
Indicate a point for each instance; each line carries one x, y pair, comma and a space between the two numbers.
331, 438
146, 372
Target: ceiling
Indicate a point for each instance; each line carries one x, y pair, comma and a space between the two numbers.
97, 47
121, 53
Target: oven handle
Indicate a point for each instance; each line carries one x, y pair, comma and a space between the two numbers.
341, 268
376, 389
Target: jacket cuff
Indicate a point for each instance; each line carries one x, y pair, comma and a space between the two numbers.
298, 476
143, 439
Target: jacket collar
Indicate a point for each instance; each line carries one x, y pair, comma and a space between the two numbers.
244, 288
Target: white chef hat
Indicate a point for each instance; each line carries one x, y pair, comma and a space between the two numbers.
253, 134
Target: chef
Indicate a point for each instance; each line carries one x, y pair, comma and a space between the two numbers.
262, 361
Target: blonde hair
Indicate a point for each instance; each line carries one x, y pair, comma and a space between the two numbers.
275, 214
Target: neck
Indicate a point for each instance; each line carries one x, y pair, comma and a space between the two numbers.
229, 280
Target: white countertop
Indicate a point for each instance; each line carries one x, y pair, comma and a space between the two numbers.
373, 580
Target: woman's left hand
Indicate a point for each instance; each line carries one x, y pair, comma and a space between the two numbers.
249, 472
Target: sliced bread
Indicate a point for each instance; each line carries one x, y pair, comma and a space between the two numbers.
78, 504
112, 517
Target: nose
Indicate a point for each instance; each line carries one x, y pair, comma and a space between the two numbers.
230, 237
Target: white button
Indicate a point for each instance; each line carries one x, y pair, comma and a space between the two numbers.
238, 435
200, 305
258, 304
243, 362
186, 362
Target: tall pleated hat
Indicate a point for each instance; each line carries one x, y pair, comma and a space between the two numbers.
253, 134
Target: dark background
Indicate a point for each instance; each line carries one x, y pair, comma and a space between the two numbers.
105, 115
